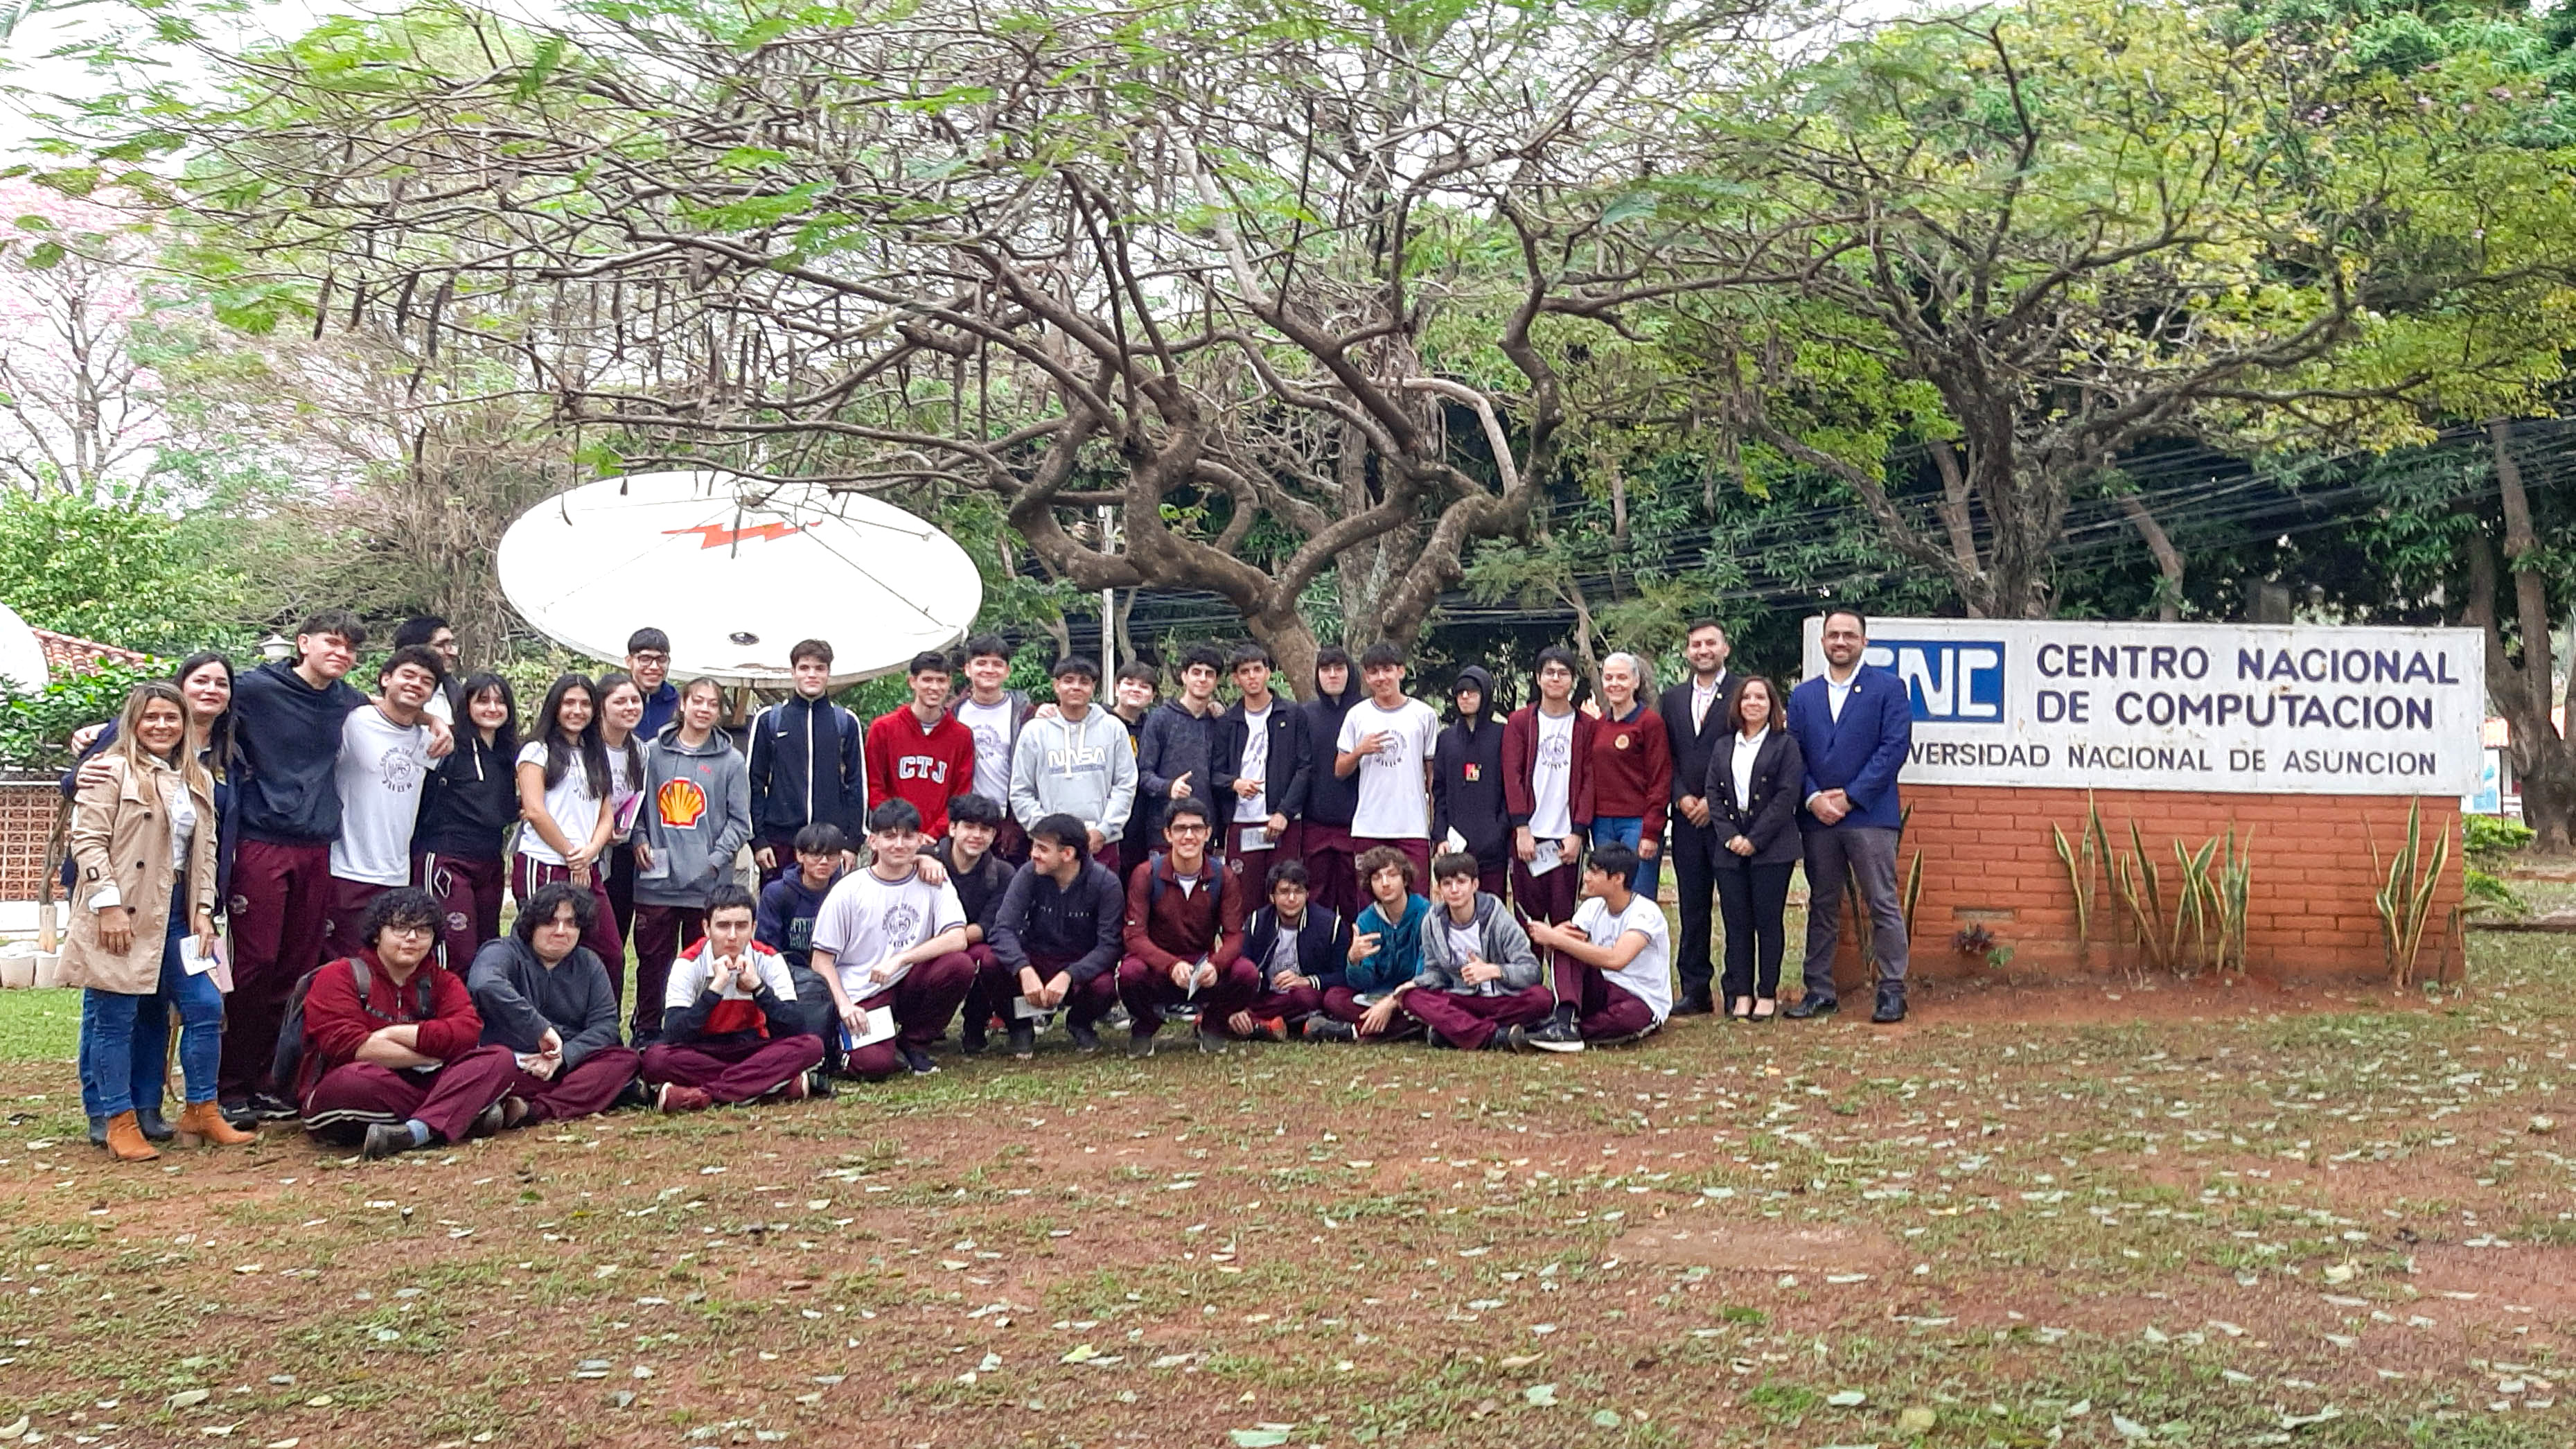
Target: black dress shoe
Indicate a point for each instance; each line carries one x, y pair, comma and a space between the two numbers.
1891, 1006
98, 1132
156, 1128
1812, 1006
1694, 1003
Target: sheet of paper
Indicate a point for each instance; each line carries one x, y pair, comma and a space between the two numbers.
1023, 1009
1255, 837
877, 1026
1547, 857
195, 962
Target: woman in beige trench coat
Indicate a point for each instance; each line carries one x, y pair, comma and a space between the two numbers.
143, 847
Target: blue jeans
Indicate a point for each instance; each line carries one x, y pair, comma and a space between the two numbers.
124, 1039
1627, 830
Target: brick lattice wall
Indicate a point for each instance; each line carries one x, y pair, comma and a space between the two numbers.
1988, 859
27, 811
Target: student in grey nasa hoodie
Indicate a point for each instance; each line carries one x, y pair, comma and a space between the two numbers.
1080, 767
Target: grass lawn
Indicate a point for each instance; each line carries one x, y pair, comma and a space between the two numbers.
2097, 1215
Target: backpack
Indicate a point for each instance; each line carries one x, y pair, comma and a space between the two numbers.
290, 1028
1216, 874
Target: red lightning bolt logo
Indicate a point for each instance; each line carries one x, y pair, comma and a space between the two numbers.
717, 535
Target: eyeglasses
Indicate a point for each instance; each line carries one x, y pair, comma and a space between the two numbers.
402, 928
1178, 829
648, 656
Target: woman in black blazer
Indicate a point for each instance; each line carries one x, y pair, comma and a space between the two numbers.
1754, 814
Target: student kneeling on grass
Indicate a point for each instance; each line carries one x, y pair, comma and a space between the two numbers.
1056, 938
1479, 976
1184, 935
888, 941
390, 1052
732, 1030
1613, 962
545, 996
1385, 952
1299, 949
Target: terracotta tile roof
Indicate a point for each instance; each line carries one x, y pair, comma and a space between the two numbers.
65, 653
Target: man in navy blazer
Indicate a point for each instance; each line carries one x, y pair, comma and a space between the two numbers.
1855, 725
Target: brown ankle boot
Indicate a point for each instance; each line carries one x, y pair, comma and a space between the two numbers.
125, 1139
203, 1124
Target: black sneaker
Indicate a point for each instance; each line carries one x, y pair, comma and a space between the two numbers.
1891, 1006
488, 1122
384, 1139
1324, 1028
1024, 1039
917, 1059
1694, 1003
1812, 1006
818, 1083
267, 1107
1140, 1045
1086, 1036
970, 1040
1552, 1035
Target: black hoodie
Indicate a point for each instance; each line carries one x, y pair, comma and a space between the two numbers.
1467, 777
1330, 799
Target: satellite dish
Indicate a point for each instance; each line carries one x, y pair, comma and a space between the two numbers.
737, 571
22, 657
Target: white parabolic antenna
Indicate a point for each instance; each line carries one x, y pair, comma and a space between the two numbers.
22, 658
736, 571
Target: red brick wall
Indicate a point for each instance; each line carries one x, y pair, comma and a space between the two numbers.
1988, 859
27, 813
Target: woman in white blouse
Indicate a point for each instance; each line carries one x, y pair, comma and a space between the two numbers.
1752, 792
143, 840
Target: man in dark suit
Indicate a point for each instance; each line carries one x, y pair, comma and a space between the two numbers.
1694, 714
1854, 724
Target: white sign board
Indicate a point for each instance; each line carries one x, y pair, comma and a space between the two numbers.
2243, 708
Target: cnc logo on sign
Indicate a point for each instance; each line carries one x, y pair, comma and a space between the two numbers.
1948, 681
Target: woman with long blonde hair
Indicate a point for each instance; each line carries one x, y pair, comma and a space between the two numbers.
143, 842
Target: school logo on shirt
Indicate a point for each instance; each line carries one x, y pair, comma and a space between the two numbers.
399, 770
1555, 750
1475, 772
681, 803
903, 923
922, 767
1619, 741
1390, 751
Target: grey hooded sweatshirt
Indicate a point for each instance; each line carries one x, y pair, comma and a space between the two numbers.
1082, 768
696, 815
1504, 943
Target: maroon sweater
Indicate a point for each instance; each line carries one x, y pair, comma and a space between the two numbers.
1632, 769
1520, 754
1184, 924
335, 1025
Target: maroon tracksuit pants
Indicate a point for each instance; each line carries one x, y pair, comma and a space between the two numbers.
581, 1090
1548, 897
1468, 1021
1251, 867
923, 1001
281, 897
1086, 1001
1332, 871
1605, 1010
1287, 1007
661, 934
1147, 989
528, 873
736, 1070
348, 908
469, 901
349, 1099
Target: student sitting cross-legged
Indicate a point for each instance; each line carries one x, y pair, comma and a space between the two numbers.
732, 1030
1385, 952
888, 941
1301, 951
390, 1052
1613, 961
1184, 935
1479, 976
545, 996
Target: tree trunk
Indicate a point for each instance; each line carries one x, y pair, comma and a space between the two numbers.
1292, 647
2544, 763
2168, 560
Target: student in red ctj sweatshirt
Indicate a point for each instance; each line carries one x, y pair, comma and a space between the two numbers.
920, 752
